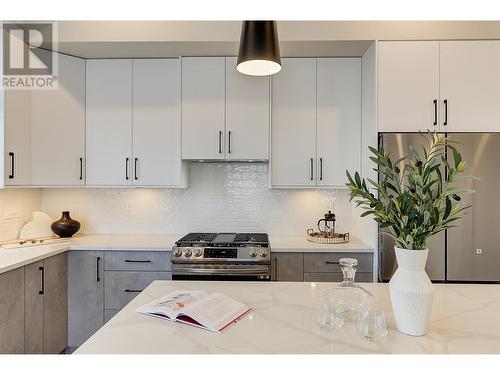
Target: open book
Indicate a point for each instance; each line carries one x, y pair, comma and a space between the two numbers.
215, 312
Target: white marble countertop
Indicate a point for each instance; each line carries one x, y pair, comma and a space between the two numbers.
13, 258
298, 244
464, 319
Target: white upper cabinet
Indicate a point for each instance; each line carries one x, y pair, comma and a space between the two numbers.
203, 107
247, 115
470, 84
338, 119
109, 122
293, 124
58, 128
408, 86
17, 137
156, 123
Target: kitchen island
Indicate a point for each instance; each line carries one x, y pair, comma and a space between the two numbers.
465, 319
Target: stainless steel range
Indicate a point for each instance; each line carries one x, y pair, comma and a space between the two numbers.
222, 256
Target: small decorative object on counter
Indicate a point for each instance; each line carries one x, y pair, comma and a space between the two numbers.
348, 296
326, 231
413, 201
65, 226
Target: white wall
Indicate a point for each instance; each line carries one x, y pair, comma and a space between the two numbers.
221, 197
16, 207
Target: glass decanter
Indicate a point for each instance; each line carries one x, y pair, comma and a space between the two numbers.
348, 296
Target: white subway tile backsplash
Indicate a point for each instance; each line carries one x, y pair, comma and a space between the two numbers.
220, 197
16, 207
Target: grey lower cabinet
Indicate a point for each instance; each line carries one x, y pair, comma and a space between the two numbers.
12, 311
318, 267
101, 283
287, 266
85, 295
55, 304
45, 305
33, 307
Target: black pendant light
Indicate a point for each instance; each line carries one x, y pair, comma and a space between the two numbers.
259, 53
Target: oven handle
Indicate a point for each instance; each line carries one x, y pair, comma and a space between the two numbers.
221, 271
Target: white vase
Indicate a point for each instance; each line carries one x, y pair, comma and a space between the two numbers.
411, 292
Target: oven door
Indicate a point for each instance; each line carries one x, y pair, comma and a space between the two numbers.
226, 272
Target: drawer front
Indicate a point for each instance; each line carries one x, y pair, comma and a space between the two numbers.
120, 287
361, 277
108, 314
137, 261
328, 262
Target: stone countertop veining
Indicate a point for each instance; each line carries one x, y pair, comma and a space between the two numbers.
464, 319
18, 257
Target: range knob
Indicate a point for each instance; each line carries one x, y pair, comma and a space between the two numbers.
252, 252
177, 252
197, 252
263, 253
187, 253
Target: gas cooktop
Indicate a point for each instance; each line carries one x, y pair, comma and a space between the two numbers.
224, 240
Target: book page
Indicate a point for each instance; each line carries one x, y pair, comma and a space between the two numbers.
215, 311
172, 304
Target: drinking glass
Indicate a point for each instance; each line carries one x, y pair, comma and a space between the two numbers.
371, 324
329, 314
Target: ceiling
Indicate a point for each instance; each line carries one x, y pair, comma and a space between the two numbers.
121, 39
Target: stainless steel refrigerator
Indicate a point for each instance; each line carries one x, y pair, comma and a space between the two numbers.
471, 251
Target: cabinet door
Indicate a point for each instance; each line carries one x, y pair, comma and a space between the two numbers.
203, 104
470, 84
17, 137
33, 308
157, 122
58, 127
247, 115
85, 295
288, 266
109, 122
55, 304
408, 86
339, 120
12, 311
293, 135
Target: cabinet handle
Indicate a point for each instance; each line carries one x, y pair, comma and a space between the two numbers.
435, 112
81, 168
42, 275
133, 290
312, 176
126, 168
220, 141
229, 142
137, 261
11, 175
276, 269
98, 261
135, 168
445, 112
332, 262
321, 169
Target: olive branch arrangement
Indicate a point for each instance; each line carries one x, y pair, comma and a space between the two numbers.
414, 200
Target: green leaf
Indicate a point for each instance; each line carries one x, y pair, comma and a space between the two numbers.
357, 178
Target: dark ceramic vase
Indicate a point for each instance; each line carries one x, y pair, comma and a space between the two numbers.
65, 226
